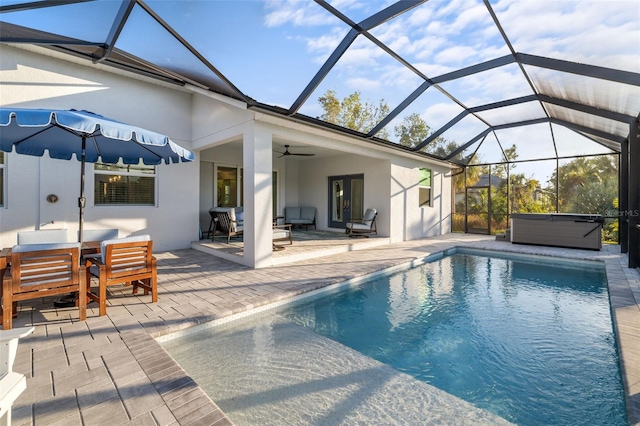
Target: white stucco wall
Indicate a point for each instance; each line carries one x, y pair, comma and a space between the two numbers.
410, 220
36, 80
313, 186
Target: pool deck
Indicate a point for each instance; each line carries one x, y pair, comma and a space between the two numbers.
110, 370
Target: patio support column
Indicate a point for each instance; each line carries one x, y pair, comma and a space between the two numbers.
634, 194
257, 162
623, 198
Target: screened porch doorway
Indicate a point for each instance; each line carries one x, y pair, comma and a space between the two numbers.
478, 208
346, 199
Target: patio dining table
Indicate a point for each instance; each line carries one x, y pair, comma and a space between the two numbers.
88, 248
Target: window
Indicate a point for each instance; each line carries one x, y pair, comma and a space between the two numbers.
124, 184
424, 188
229, 189
2, 174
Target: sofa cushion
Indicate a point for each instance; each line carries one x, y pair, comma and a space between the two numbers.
280, 234
308, 213
368, 216
22, 248
359, 226
291, 213
43, 236
301, 221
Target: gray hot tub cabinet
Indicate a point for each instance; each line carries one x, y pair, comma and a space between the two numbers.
557, 229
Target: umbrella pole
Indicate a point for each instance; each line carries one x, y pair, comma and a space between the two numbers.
82, 200
70, 299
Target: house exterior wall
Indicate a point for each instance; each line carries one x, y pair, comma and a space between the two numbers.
313, 189
216, 129
30, 79
410, 221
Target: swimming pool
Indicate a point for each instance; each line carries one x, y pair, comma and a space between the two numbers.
521, 338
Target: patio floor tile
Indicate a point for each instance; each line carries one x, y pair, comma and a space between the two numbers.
110, 370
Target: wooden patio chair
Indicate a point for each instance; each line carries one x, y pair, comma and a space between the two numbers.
41, 270
364, 227
226, 223
123, 261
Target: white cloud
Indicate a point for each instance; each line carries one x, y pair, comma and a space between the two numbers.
361, 53
325, 44
363, 84
605, 33
295, 12
490, 86
455, 55
441, 113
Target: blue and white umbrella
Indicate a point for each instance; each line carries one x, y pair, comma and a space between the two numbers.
91, 137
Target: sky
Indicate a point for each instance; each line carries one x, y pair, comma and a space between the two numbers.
271, 49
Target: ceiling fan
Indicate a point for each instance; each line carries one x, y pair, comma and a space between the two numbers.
286, 152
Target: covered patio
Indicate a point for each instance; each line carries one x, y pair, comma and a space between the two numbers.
307, 244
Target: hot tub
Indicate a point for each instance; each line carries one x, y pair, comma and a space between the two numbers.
558, 229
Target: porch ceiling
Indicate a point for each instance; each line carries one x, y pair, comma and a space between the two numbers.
554, 78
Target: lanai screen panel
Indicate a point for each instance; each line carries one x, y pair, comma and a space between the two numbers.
436, 109
162, 49
490, 151
513, 113
571, 143
615, 147
368, 70
437, 37
494, 85
599, 93
580, 118
463, 132
248, 40
89, 21
279, 53
603, 33
531, 142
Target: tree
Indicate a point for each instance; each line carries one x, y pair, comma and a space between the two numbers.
412, 130
589, 185
581, 175
352, 113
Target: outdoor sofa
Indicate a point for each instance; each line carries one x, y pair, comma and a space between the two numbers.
298, 216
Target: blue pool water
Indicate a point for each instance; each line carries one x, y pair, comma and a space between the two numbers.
528, 340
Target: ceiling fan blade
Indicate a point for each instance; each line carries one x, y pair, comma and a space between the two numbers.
304, 155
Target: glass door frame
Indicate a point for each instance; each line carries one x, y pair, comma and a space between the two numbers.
344, 211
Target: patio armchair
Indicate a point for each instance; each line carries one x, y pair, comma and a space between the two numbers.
364, 227
225, 222
282, 233
41, 270
123, 261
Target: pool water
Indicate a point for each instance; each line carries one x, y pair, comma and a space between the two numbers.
527, 340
